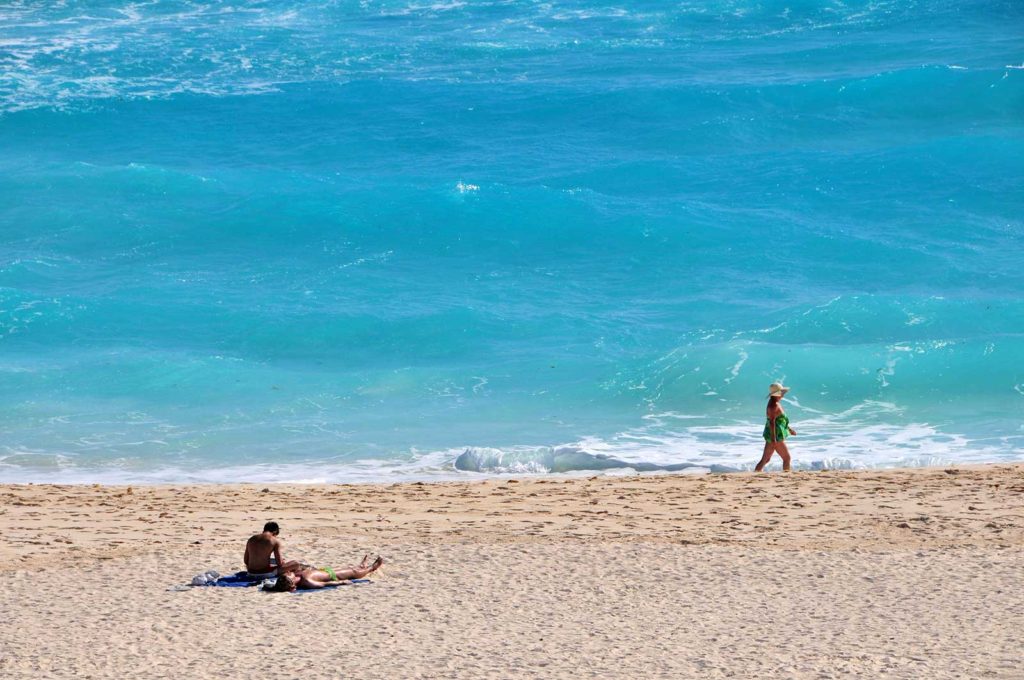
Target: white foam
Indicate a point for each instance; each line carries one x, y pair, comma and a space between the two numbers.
860, 437
99, 46
735, 371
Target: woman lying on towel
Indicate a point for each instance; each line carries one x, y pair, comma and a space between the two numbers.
309, 577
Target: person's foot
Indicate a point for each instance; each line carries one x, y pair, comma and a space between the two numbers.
376, 564
362, 565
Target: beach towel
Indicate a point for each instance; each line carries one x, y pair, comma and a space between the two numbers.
241, 579
244, 579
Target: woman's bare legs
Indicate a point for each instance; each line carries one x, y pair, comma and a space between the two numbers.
771, 447
783, 450
359, 571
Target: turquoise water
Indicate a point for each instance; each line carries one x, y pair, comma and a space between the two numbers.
348, 241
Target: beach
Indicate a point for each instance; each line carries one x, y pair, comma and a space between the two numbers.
832, 574
498, 290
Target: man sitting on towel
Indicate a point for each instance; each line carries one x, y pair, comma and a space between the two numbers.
258, 552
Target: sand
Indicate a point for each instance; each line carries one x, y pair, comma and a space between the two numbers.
896, 574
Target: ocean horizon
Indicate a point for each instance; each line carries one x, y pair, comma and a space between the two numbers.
340, 241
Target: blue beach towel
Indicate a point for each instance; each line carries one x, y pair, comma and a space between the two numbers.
244, 579
241, 579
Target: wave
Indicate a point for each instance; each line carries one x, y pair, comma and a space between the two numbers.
667, 442
53, 469
562, 459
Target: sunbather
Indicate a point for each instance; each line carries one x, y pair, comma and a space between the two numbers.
309, 577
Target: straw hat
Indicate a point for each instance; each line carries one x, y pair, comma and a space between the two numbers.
777, 390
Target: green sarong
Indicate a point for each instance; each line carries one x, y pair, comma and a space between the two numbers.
781, 429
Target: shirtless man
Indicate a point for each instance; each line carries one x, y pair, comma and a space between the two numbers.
260, 548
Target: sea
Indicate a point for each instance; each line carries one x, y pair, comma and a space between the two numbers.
364, 240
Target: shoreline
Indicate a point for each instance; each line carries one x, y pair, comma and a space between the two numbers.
300, 473
471, 477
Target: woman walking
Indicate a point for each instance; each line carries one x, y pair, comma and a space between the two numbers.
776, 429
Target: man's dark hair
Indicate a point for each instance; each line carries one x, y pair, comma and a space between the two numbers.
272, 528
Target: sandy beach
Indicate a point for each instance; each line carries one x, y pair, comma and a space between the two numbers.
900, 573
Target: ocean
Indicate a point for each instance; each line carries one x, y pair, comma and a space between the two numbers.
359, 241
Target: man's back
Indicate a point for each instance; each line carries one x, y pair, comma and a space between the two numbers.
260, 548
